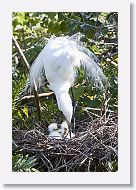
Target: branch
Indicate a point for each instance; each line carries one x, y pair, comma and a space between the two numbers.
21, 53
37, 101
31, 97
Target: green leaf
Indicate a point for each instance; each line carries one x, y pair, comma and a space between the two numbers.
25, 111
21, 19
78, 91
21, 163
51, 15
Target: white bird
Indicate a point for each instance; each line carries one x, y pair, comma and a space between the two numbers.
64, 130
52, 127
59, 60
53, 131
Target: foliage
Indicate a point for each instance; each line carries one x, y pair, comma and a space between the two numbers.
32, 29
23, 163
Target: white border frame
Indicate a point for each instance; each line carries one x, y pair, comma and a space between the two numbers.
122, 176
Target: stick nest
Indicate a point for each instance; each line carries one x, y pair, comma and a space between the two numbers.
94, 148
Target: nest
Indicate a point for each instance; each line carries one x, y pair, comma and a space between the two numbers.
94, 148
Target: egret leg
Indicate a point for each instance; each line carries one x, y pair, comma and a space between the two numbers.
70, 131
74, 108
69, 128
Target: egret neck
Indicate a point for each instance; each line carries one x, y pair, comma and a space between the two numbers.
63, 99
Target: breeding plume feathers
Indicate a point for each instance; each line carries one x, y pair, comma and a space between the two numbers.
65, 54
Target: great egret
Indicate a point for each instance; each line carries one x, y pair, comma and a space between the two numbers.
59, 60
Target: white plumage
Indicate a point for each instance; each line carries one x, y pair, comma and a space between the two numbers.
53, 131
52, 127
55, 135
59, 60
65, 130
59, 133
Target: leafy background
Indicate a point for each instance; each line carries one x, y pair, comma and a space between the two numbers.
32, 30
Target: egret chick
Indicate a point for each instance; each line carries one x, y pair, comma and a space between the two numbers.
52, 127
53, 131
65, 130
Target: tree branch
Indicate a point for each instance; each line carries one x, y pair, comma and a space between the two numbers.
21, 53
31, 97
37, 100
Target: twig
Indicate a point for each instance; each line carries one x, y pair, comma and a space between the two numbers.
98, 109
47, 160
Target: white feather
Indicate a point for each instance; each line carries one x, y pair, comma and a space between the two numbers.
59, 60
64, 131
55, 135
52, 127
53, 131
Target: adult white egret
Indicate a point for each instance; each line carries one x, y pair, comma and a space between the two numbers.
60, 59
